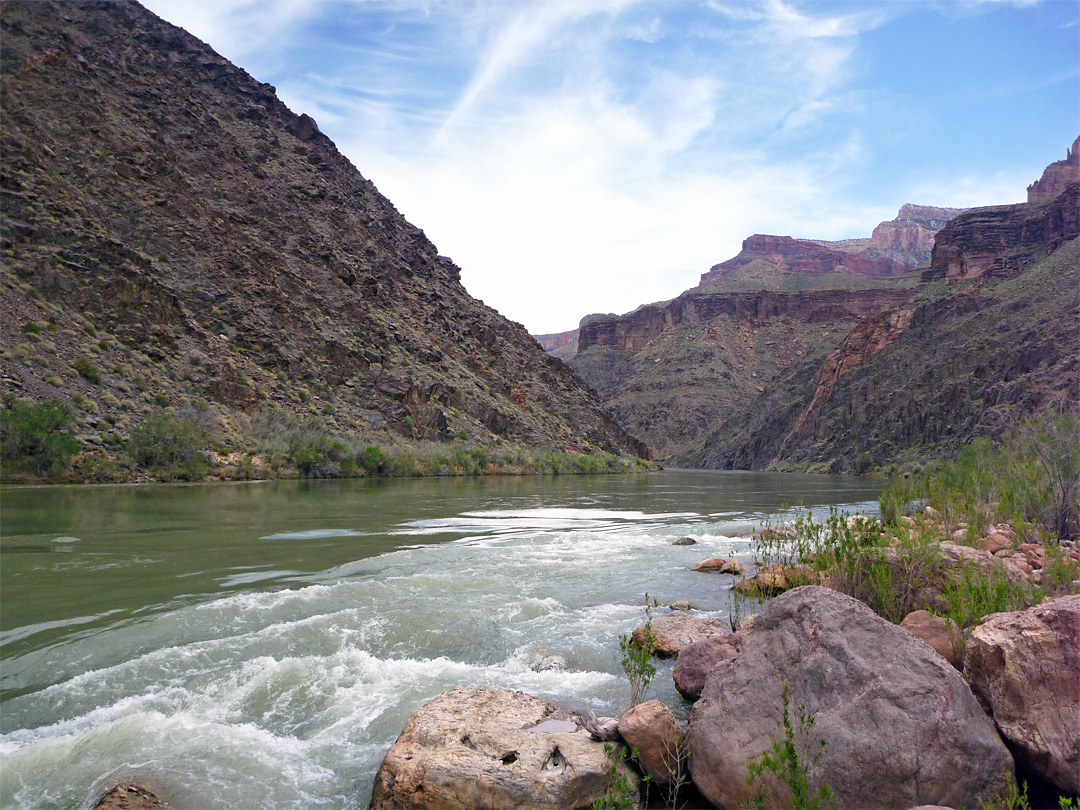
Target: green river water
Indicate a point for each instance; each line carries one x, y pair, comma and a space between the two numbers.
260, 645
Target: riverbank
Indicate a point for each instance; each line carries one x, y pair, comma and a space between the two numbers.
816, 700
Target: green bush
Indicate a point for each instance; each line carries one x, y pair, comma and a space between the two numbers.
87, 370
36, 439
862, 463
171, 447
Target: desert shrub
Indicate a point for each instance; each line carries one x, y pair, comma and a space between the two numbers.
862, 463
1030, 476
35, 438
637, 658
87, 370
170, 447
785, 765
372, 460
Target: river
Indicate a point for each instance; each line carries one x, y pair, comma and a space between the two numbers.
261, 645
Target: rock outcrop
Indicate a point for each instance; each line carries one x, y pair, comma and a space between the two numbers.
1057, 176
483, 748
1003, 240
1025, 666
168, 220
636, 330
674, 630
802, 256
900, 726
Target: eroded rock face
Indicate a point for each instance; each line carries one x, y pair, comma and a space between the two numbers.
477, 748
696, 661
653, 731
1057, 176
901, 727
675, 630
1025, 666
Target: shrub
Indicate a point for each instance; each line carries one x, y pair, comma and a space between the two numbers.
637, 658
169, 446
787, 765
862, 463
36, 439
87, 370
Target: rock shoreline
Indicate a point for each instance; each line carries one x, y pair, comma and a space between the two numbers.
887, 715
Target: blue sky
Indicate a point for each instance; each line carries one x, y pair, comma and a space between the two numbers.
578, 156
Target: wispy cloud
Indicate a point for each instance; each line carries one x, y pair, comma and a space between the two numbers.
585, 155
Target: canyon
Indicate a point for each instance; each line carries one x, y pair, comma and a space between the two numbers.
804, 354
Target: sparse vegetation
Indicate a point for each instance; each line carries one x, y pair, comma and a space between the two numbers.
637, 657
87, 370
785, 765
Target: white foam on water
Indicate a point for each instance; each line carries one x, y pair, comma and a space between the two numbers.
288, 698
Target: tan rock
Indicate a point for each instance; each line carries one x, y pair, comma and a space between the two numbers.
934, 630
733, 567
653, 731
481, 748
675, 630
1025, 665
685, 541
996, 542
130, 797
682, 604
709, 564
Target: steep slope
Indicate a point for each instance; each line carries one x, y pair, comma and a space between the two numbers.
1057, 176
672, 371
992, 336
174, 236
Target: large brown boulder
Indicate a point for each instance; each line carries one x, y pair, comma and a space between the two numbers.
653, 732
900, 726
482, 748
1025, 666
696, 662
675, 630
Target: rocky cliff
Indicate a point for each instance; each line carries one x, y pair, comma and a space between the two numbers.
895, 246
990, 337
175, 237
1005, 238
802, 256
1057, 176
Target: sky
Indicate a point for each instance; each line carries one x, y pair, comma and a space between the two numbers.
582, 156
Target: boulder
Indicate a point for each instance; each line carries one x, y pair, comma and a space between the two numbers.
682, 604
775, 578
675, 630
697, 660
709, 564
481, 748
685, 541
652, 730
129, 797
733, 567
900, 726
1025, 666
934, 630
995, 542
